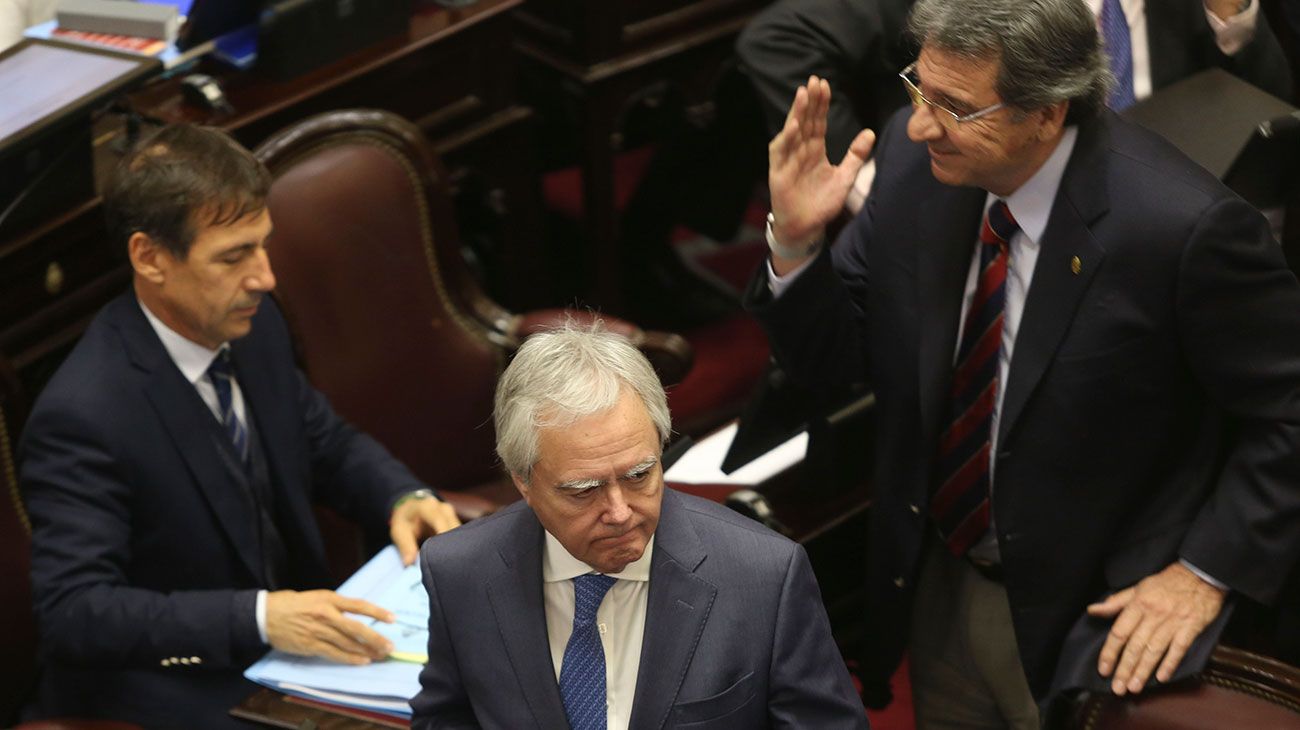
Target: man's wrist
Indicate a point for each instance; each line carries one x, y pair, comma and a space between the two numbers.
414, 495
787, 250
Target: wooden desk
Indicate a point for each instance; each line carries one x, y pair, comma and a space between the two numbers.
590, 62
452, 73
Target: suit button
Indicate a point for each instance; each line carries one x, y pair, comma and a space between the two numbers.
915, 509
899, 582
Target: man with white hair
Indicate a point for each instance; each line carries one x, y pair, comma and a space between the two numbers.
604, 599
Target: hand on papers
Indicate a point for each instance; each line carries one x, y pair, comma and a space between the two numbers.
417, 519
312, 624
807, 190
1157, 621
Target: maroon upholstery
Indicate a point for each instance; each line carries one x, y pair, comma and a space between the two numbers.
1237, 690
388, 320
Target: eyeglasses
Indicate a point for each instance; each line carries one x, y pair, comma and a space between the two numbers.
947, 117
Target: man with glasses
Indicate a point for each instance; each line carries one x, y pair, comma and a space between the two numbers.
1085, 352
856, 45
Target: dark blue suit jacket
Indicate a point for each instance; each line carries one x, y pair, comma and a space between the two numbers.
735, 634
1151, 411
144, 545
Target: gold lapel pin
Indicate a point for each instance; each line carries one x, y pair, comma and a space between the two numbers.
1076, 265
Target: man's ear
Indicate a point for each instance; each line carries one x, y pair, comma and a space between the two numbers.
149, 258
521, 485
1052, 120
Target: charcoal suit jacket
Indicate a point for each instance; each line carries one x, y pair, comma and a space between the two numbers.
735, 632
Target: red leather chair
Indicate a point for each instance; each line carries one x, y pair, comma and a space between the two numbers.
388, 320
1237, 690
18, 667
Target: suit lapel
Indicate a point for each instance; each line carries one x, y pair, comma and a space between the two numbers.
945, 246
1056, 288
676, 611
186, 419
515, 594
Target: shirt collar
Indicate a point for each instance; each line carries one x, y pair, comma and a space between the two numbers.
190, 357
558, 564
1031, 203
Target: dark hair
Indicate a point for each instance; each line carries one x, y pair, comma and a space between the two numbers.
1049, 50
180, 179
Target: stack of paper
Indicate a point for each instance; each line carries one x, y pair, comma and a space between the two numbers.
381, 686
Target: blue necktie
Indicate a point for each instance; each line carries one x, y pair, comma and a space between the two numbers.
582, 672
222, 374
1115, 33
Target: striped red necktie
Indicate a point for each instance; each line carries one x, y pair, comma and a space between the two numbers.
960, 507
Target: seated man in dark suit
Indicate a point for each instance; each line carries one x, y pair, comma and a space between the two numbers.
171, 464
605, 600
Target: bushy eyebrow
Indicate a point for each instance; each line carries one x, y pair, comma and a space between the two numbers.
646, 465
577, 485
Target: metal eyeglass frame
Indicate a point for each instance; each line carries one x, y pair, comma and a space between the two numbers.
949, 118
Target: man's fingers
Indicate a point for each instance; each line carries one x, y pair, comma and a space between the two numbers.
808, 110
403, 534
1182, 641
363, 608
794, 112
352, 636
1149, 657
1115, 641
1112, 605
860, 147
439, 516
1134, 647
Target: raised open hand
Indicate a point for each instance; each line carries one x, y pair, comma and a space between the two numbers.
807, 190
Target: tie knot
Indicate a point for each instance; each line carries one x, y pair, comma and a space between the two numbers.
588, 591
221, 367
999, 226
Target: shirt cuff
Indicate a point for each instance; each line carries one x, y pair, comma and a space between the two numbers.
1232, 34
1204, 576
261, 616
777, 284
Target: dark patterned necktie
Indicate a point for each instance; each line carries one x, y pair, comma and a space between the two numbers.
960, 507
582, 671
222, 375
1119, 48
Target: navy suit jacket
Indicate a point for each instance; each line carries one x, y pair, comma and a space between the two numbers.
735, 634
144, 547
1151, 410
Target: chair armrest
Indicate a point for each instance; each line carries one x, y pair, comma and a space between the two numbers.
669, 354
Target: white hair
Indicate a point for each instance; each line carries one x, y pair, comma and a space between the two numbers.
562, 375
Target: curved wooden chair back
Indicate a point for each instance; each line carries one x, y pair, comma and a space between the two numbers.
389, 321
1238, 689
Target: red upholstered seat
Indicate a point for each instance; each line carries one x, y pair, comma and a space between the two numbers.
388, 320
1237, 690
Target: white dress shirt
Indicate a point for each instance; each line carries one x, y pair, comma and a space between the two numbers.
193, 360
1230, 35
620, 621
